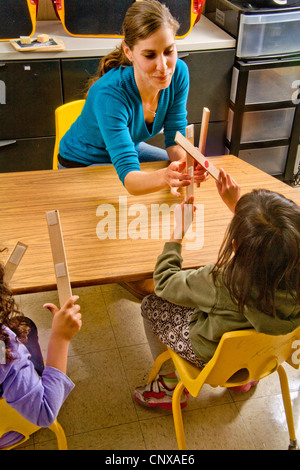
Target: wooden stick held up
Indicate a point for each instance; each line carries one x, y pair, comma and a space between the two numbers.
59, 257
189, 132
14, 260
194, 152
203, 132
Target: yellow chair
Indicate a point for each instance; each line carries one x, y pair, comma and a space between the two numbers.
241, 356
11, 420
65, 115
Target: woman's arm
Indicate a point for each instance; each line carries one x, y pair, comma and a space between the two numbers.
142, 182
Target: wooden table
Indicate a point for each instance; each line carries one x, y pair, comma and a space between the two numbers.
78, 194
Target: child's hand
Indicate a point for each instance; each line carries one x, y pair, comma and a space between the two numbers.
183, 215
228, 189
66, 321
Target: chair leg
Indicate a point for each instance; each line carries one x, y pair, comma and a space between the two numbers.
163, 357
177, 416
287, 406
60, 435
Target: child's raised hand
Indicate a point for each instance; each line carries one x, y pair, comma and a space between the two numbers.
183, 215
66, 321
228, 189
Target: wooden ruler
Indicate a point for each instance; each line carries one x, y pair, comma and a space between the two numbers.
203, 132
197, 155
59, 257
14, 260
189, 132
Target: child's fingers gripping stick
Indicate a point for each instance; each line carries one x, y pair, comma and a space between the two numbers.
67, 320
59, 256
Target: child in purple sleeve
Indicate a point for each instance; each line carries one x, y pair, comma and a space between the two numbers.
36, 391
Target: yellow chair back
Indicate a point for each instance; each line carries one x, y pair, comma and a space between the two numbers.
241, 356
65, 115
11, 420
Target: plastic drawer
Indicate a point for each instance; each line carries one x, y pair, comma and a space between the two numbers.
266, 125
269, 34
269, 84
271, 160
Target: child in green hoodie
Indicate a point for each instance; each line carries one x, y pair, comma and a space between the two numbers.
255, 283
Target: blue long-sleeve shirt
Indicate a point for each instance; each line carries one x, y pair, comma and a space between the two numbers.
112, 123
38, 399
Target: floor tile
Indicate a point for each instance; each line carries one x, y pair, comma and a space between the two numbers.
219, 427
110, 356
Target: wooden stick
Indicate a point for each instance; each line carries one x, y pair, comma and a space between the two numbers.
59, 257
14, 260
203, 132
197, 155
189, 132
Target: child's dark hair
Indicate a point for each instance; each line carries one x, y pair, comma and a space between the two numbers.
10, 317
260, 252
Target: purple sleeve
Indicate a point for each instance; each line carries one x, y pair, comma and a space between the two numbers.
38, 399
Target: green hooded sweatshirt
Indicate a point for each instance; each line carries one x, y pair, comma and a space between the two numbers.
215, 312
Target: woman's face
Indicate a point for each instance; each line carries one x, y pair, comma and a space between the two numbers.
154, 59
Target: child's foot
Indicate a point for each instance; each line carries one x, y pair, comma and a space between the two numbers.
157, 394
245, 387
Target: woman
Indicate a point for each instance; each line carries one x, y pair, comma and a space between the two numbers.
141, 89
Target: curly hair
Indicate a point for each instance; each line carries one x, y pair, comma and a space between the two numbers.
10, 317
260, 252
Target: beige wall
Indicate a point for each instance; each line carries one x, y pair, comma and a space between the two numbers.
46, 10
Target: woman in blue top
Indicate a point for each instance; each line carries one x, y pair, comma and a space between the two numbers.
141, 89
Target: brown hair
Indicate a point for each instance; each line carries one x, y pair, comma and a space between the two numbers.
142, 19
260, 252
10, 317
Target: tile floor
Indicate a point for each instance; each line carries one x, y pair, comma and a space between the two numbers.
110, 356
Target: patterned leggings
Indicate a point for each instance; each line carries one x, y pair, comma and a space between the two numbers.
168, 324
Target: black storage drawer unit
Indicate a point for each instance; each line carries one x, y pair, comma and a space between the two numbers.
29, 94
264, 115
26, 154
210, 77
75, 76
32, 92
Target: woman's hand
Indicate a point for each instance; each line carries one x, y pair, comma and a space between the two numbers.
176, 178
228, 189
200, 174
